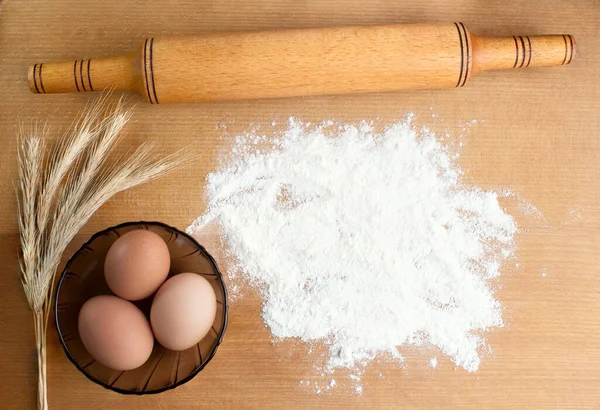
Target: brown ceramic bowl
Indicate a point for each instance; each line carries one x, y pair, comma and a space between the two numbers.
83, 278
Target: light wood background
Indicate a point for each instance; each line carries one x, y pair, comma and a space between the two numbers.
538, 133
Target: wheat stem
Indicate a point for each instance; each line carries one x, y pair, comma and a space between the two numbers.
40, 341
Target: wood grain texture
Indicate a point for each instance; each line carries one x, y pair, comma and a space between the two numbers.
537, 134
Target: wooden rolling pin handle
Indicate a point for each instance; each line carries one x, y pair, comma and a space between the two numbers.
498, 53
118, 73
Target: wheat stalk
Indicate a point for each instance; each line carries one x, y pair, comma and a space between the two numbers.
59, 189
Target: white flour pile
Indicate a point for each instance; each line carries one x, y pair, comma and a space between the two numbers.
367, 241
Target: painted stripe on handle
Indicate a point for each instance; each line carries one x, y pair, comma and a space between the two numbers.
524, 51
146, 70
517, 55
75, 75
81, 75
468, 54
89, 76
530, 51
461, 54
35, 80
571, 42
566, 49
41, 82
152, 71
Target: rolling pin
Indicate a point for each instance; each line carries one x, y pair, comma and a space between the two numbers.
289, 63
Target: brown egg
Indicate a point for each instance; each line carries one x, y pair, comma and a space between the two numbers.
115, 332
137, 264
183, 311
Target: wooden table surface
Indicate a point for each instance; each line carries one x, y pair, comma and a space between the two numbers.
537, 133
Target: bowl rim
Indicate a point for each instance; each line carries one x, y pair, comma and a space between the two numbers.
137, 392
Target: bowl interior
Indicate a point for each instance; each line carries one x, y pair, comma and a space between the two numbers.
83, 278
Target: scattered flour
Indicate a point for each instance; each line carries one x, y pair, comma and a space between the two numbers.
576, 214
364, 240
524, 206
433, 362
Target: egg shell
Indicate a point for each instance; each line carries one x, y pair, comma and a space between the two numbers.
183, 311
137, 264
115, 332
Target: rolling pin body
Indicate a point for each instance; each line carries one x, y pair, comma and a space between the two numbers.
287, 63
